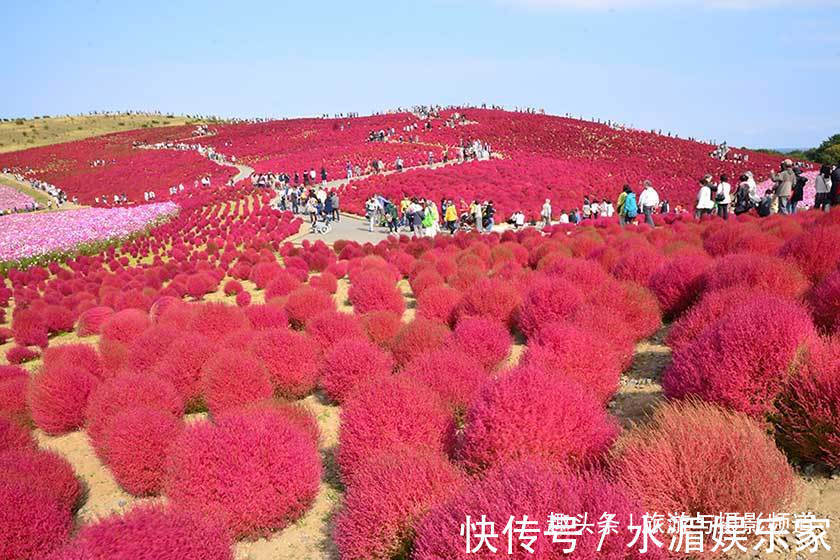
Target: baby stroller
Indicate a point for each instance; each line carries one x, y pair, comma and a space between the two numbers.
466, 223
322, 225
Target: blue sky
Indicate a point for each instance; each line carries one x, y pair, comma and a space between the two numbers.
753, 72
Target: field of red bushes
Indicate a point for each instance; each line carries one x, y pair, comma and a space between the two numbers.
217, 389
475, 375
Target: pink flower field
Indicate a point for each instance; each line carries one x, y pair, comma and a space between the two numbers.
10, 198
26, 235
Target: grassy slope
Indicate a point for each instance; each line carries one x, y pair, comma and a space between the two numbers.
21, 134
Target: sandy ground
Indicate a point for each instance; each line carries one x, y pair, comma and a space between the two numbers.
309, 537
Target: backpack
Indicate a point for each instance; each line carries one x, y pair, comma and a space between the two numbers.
764, 207
630, 207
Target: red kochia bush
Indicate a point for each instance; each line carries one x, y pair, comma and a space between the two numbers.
305, 303
150, 345
47, 471
420, 335
271, 463
534, 488
232, 287
809, 408
485, 340
282, 285
181, 364
293, 361
215, 320
136, 443
21, 355
578, 354
91, 320
266, 316
816, 251
490, 298
712, 307
351, 361
761, 272
34, 523
666, 463
58, 396
243, 299
151, 531
679, 282
29, 328
13, 435
439, 303
531, 412
381, 327
124, 391
328, 327
389, 494
373, 291
825, 302
744, 360
450, 373
125, 325
232, 378
385, 413
14, 381
547, 300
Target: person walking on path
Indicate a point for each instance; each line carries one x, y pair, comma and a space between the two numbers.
648, 200
823, 185
705, 204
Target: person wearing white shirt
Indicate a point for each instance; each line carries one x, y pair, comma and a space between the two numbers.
705, 204
546, 213
564, 218
723, 197
648, 200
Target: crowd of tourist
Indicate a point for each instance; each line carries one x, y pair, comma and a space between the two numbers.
57, 195
424, 217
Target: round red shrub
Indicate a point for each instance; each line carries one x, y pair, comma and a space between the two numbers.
263, 273
293, 361
91, 320
578, 354
14, 381
46, 471
136, 443
123, 326
679, 282
351, 361
283, 284
58, 396
485, 340
215, 320
59, 319
181, 364
296, 413
637, 264
326, 282
34, 523
266, 316
243, 299
29, 328
816, 251
666, 463
453, 375
806, 424
372, 291
439, 303
426, 278
232, 287
638, 307
419, 336
711, 307
389, 494
151, 531
127, 390
381, 327
534, 488
546, 300
328, 327
13, 435
531, 412
305, 303
271, 463
385, 413
825, 303
232, 378
760, 272
744, 360
492, 299
21, 354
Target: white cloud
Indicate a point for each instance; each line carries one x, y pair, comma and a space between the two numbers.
617, 4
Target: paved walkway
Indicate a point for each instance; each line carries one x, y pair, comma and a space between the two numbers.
350, 227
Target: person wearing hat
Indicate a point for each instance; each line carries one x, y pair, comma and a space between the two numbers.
705, 204
784, 185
